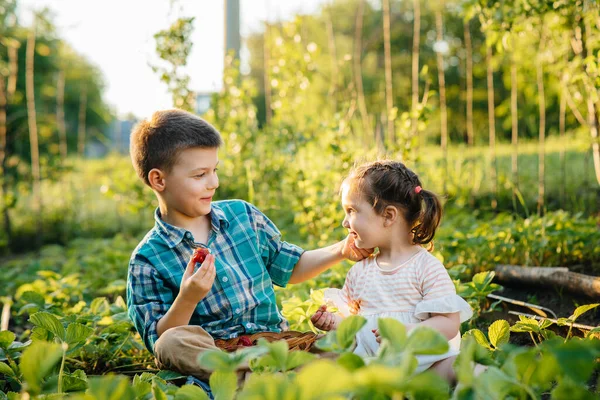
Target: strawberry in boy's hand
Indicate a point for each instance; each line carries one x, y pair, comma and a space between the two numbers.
245, 341
200, 255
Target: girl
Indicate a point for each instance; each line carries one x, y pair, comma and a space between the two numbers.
386, 207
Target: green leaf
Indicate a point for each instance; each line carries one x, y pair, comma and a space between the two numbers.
323, 379
499, 333
214, 359
576, 359
350, 361
158, 391
483, 279
110, 387
75, 382
223, 384
298, 358
190, 392
6, 370
495, 384
50, 323
571, 390
393, 331
425, 340
37, 361
479, 338
78, 333
169, 375
279, 351
582, 309
348, 329
6, 338
33, 298
426, 385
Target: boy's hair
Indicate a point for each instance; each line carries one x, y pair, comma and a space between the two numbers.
156, 142
386, 182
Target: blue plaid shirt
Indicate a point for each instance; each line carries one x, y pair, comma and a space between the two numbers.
250, 258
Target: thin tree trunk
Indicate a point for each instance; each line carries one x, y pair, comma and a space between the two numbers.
81, 126
514, 115
542, 131
492, 126
33, 135
415, 72
13, 62
389, 96
267, 80
561, 130
3, 177
593, 120
60, 115
469, 48
439, 24
357, 63
333, 84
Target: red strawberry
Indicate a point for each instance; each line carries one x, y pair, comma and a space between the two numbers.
200, 255
245, 341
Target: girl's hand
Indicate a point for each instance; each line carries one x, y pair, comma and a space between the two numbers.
377, 335
196, 285
351, 252
324, 320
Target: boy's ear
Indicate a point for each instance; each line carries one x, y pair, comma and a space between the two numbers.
390, 215
157, 179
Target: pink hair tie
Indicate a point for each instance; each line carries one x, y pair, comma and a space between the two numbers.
418, 189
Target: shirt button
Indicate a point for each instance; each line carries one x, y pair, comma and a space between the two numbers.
225, 279
237, 311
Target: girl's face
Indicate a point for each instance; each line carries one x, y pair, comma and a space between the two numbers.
361, 220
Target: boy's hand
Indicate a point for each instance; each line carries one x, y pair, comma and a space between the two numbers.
351, 252
196, 285
323, 319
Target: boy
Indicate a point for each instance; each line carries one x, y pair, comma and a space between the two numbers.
179, 312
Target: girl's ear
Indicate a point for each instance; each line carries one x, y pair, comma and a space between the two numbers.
390, 215
157, 179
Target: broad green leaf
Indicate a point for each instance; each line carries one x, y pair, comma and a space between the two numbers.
33, 298
50, 323
40, 334
348, 329
6, 338
427, 385
99, 306
495, 384
479, 338
269, 387
582, 309
190, 392
37, 361
323, 379
499, 333
570, 390
576, 359
110, 387
350, 361
483, 279
298, 358
6, 370
379, 377
425, 340
394, 331
75, 382
279, 350
328, 342
223, 384
169, 375
77, 333
463, 366
158, 391
214, 359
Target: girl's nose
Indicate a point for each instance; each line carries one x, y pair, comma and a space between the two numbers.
345, 223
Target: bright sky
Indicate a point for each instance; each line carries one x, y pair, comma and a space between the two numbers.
117, 36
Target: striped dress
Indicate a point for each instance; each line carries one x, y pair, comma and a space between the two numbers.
409, 293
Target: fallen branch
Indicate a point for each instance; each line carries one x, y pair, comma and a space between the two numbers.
534, 307
537, 317
550, 276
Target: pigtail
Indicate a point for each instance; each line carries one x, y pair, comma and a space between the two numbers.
429, 220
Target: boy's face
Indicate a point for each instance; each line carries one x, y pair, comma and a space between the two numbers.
190, 185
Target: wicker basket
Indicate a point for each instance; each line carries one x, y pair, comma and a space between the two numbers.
296, 340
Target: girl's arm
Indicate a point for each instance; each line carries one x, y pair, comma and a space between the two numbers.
447, 324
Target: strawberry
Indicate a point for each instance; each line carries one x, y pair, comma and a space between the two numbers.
200, 255
245, 341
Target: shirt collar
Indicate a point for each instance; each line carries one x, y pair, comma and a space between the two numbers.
173, 235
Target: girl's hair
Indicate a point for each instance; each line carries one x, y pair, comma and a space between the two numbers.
390, 183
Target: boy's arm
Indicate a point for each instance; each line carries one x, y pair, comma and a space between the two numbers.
194, 287
313, 262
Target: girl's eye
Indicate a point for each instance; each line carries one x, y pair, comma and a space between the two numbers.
199, 176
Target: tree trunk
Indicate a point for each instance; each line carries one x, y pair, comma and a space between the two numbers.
550, 276
561, 130
357, 64
492, 126
542, 132
439, 26
33, 135
515, 125
3, 177
593, 121
13, 62
469, 48
389, 96
267, 80
60, 115
81, 125
415, 72
333, 84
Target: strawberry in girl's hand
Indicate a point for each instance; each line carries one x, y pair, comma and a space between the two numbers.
200, 255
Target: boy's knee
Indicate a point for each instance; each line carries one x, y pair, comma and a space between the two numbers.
170, 339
